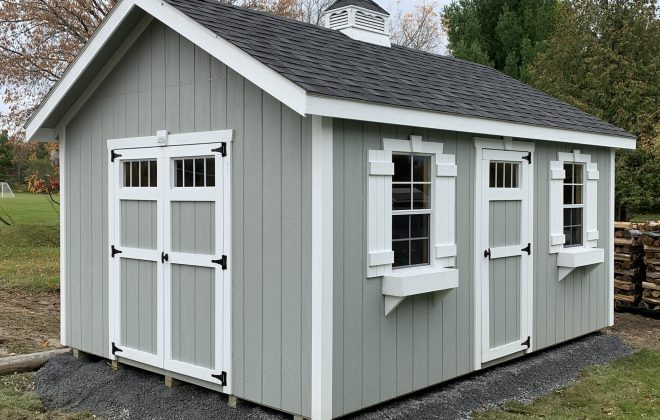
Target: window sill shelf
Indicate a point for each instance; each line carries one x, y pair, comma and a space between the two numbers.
568, 259
399, 284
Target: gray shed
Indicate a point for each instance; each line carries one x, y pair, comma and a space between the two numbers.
312, 218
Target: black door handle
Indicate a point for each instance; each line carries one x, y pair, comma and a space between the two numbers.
487, 253
164, 257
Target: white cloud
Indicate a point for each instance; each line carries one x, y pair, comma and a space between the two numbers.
3, 106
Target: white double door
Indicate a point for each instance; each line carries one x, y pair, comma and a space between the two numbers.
169, 302
505, 230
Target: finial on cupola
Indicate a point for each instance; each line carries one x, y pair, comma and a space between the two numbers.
363, 20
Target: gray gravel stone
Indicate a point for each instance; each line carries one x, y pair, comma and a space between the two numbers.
67, 383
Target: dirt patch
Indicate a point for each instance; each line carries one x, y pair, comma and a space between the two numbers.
29, 321
639, 331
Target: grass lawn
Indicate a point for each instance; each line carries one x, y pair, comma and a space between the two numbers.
628, 388
645, 218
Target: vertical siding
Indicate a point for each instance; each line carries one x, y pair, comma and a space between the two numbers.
429, 338
165, 82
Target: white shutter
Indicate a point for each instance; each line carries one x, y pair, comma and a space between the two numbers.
557, 175
380, 255
591, 204
445, 208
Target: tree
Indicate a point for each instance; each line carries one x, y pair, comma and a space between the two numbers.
6, 156
38, 39
605, 59
420, 29
504, 34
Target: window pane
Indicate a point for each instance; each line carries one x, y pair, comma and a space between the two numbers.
578, 174
514, 176
153, 174
500, 175
210, 172
401, 168
135, 174
421, 169
576, 217
401, 195
199, 172
577, 194
493, 165
178, 169
401, 253
568, 169
419, 251
567, 217
188, 173
127, 174
422, 196
568, 238
419, 226
507, 175
568, 194
144, 174
576, 233
400, 227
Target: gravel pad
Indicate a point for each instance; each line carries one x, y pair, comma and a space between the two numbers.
67, 383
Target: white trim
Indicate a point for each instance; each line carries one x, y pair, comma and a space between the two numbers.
399, 284
182, 139
482, 146
568, 259
389, 114
322, 264
610, 235
63, 238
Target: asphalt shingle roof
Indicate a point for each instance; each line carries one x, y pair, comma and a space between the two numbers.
327, 62
365, 4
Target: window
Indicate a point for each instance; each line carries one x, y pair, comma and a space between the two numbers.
411, 210
140, 173
503, 174
198, 172
573, 203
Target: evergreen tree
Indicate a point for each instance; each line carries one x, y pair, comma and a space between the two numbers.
6, 156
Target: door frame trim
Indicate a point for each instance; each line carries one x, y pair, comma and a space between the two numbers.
205, 137
505, 143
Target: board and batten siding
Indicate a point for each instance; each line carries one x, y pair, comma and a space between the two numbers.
429, 338
165, 82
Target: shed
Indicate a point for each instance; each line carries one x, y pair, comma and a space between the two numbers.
312, 218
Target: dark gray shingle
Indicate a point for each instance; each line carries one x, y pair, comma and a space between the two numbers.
327, 62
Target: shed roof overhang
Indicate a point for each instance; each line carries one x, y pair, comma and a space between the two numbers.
129, 17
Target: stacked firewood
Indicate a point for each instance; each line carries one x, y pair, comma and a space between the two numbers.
628, 264
651, 285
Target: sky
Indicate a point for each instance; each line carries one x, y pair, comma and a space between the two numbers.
389, 5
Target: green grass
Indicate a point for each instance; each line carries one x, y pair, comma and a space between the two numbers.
645, 218
29, 248
18, 400
628, 388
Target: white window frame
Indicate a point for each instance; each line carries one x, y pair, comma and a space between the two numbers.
440, 273
571, 257
575, 206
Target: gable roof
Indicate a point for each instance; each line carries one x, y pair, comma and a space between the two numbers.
365, 4
327, 62
319, 71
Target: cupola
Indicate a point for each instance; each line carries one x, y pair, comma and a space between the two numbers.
363, 20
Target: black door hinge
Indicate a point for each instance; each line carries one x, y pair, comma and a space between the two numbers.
114, 155
115, 349
222, 378
527, 342
222, 261
114, 251
164, 257
528, 158
222, 149
528, 249
487, 253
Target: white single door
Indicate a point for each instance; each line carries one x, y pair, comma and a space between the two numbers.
506, 244
170, 299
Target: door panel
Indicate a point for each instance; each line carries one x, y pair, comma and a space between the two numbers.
193, 227
139, 221
506, 231
139, 308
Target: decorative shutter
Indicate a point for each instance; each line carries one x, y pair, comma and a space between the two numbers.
557, 175
445, 207
380, 255
591, 204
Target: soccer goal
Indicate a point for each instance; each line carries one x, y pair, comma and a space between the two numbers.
5, 190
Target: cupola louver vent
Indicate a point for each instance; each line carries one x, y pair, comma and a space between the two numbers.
372, 22
338, 20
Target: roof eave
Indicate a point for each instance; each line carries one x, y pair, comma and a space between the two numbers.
389, 114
